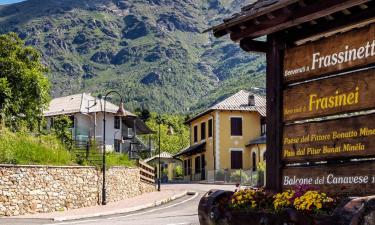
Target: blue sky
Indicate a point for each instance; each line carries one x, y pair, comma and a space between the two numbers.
2, 2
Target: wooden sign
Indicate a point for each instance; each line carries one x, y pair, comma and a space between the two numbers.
343, 51
354, 179
320, 141
341, 94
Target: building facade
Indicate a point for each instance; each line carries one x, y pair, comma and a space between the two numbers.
87, 114
222, 137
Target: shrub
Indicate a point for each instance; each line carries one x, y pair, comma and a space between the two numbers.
179, 172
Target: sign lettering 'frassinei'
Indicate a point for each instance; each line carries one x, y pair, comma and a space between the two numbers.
351, 178
325, 140
342, 94
333, 54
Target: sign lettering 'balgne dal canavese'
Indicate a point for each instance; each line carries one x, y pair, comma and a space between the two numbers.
344, 51
323, 140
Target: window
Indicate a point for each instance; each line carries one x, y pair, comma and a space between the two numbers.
236, 159
210, 128
236, 126
203, 130
254, 159
117, 122
73, 120
195, 134
187, 167
264, 156
197, 165
263, 126
117, 145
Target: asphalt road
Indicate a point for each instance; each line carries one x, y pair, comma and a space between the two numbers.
183, 211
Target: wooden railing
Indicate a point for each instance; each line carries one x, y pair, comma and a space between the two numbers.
147, 172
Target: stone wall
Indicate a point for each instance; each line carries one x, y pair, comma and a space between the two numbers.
124, 183
37, 189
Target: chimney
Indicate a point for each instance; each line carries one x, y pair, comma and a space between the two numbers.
251, 100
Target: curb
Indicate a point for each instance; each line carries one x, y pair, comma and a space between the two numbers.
126, 210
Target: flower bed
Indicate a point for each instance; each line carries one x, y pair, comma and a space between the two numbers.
301, 206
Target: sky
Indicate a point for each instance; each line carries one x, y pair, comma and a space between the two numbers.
3, 2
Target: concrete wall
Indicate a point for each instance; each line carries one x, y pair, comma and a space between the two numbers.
37, 189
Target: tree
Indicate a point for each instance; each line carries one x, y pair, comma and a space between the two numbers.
24, 89
169, 143
61, 127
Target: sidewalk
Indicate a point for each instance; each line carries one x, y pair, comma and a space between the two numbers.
147, 200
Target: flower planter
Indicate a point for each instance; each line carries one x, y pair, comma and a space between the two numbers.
353, 211
254, 218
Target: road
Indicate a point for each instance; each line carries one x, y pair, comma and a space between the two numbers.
183, 211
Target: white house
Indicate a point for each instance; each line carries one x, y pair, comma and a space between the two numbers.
86, 112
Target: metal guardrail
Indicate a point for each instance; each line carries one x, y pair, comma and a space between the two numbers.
227, 176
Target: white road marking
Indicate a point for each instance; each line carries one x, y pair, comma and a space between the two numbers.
134, 214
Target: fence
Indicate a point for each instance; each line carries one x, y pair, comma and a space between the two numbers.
227, 176
89, 151
147, 172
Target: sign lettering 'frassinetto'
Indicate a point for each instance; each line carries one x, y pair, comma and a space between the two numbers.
342, 94
333, 54
335, 139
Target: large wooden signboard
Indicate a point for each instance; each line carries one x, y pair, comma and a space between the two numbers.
344, 65
356, 178
321, 141
341, 94
343, 51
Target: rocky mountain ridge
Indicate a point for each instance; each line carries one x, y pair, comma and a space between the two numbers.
152, 51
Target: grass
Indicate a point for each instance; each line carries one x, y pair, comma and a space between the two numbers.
115, 159
23, 148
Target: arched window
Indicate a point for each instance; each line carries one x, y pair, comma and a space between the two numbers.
254, 159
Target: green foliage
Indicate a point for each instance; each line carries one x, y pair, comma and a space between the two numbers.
179, 171
22, 148
24, 90
116, 159
171, 143
61, 127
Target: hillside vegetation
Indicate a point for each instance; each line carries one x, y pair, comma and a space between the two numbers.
152, 51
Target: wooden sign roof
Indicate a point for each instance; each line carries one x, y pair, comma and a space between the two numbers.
293, 16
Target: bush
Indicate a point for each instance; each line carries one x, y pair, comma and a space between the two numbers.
179, 172
238, 176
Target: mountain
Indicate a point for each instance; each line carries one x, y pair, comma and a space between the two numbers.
151, 51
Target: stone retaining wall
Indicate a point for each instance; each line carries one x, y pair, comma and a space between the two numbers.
37, 189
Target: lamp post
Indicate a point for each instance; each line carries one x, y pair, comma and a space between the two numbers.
120, 112
169, 132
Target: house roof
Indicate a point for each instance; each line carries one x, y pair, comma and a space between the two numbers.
163, 155
79, 103
259, 140
193, 149
237, 102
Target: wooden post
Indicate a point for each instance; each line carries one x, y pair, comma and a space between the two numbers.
274, 82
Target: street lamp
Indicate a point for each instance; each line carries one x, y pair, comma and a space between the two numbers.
169, 132
122, 113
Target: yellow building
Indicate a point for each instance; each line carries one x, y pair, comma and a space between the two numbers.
228, 136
